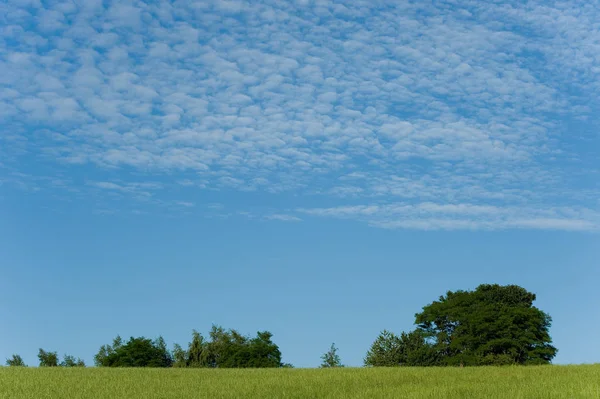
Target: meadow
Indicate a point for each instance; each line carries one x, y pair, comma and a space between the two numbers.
476, 382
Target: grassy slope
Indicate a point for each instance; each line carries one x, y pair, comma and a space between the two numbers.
485, 382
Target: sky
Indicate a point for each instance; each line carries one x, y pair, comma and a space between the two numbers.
318, 169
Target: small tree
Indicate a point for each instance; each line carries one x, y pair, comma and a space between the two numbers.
179, 356
197, 353
15, 361
331, 358
48, 359
385, 351
70, 361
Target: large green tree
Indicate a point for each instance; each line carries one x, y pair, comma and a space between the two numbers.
491, 325
137, 352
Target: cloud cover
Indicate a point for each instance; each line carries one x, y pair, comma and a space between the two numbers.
451, 115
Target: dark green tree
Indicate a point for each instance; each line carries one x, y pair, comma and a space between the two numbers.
15, 361
70, 361
492, 325
222, 346
48, 359
137, 352
107, 352
331, 358
264, 353
166, 359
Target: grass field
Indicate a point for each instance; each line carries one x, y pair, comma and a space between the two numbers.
484, 382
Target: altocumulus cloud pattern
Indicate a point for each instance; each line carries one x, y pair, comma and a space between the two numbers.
419, 115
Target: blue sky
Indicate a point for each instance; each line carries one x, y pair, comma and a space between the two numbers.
318, 169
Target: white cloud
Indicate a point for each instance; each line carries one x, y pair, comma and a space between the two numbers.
139, 190
464, 110
284, 218
185, 204
430, 216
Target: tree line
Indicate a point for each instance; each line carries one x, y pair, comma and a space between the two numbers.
223, 349
47, 359
491, 325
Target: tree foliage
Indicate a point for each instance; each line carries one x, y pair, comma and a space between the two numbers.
15, 361
137, 352
71, 361
385, 351
408, 349
228, 349
223, 349
179, 356
197, 354
48, 359
492, 325
331, 358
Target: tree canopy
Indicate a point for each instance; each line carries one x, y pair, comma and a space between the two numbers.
223, 349
408, 349
137, 352
48, 359
15, 361
71, 361
228, 349
491, 325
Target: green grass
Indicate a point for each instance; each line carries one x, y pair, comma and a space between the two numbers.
483, 382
